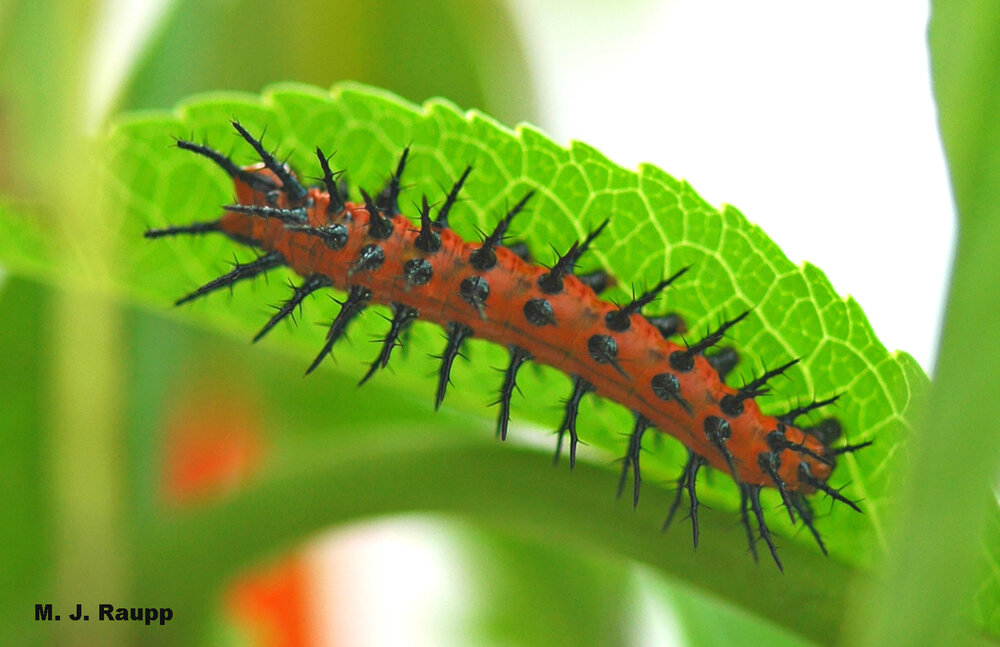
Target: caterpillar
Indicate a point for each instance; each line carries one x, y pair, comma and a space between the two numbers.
422, 269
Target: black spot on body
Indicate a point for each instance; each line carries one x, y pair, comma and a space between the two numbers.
618, 320
334, 236
776, 439
717, 430
731, 406
370, 258
483, 259
682, 361
603, 349
521, 251
597, 280
550, 283
539, 312
724, 361
668, 325
666, 386
474, 290
428, 241
769, 462
826, 431
417, 271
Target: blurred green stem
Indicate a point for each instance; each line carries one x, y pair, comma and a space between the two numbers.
85, 442
87, 454
923, 596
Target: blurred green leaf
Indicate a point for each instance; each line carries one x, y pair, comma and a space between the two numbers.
461, 471
44, 48
705, 621
528, 593
25, 247
468, 51
986, 598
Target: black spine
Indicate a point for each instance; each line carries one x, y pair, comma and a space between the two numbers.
388, 199
790, 417
847, 449
805, 475
357, 299
778, 443
806, 514
238, 273
718, 432
770, 463
551, 283
403, 317
457, 334
379, 227
296, 216
732, 405
518, 356
194, 228
745, 519
484, 258
581, 387
255, 181
753, 493
310, 285
687, 481
427, 241
333, 236
691, 481
620, 320
449, 202
631, 458
337, 200
683, 360
289, 184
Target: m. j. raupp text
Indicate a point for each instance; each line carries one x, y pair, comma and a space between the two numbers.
109, 612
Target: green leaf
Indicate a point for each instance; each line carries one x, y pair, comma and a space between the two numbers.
658, 225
